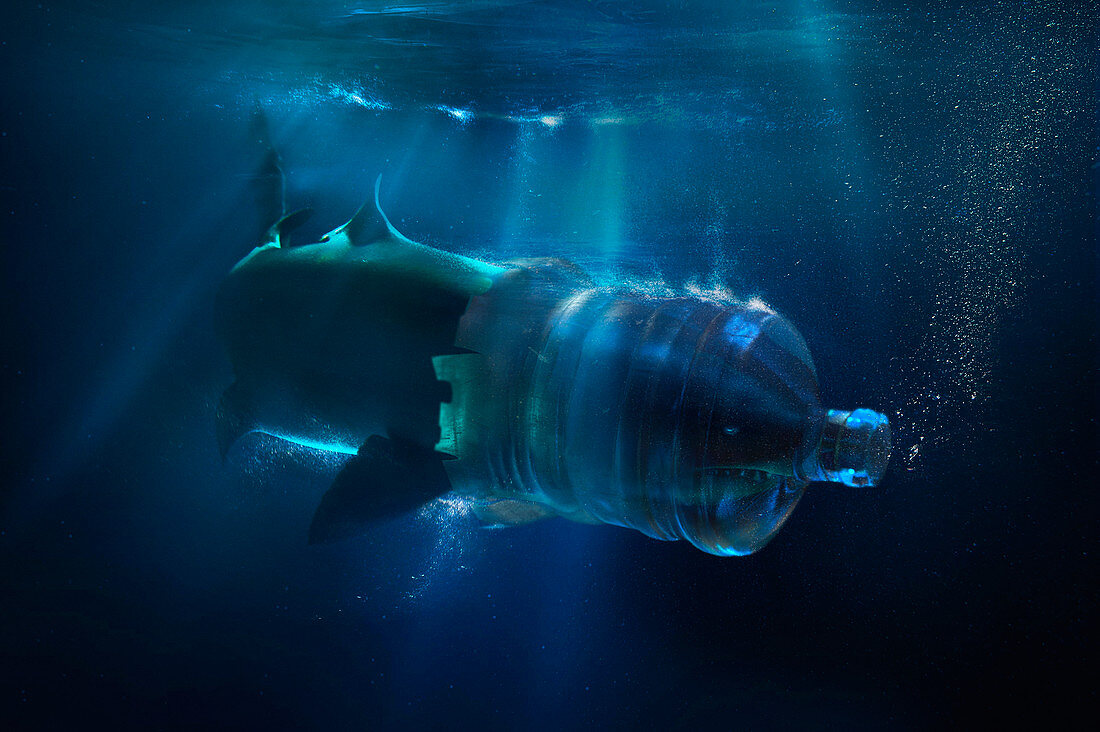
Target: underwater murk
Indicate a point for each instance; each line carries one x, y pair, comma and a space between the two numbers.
342, 337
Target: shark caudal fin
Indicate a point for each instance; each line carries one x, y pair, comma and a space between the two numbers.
269, 188
268, 182
388, 477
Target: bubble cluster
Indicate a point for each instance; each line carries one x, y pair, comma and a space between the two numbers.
451, 521
971, 200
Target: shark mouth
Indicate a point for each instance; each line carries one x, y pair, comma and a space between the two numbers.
716, 483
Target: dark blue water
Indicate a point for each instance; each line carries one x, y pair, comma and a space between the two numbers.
913, 185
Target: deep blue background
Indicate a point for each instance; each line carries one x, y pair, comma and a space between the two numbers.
914, 188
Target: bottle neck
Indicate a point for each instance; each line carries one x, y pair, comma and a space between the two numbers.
849, 447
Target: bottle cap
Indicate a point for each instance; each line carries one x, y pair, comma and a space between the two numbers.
854, 448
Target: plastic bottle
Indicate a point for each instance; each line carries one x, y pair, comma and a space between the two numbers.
682, 418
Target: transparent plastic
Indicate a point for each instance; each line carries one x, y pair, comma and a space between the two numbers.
682, 418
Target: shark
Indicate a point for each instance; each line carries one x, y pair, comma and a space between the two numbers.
525, 388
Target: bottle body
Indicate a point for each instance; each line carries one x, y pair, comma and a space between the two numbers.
682, 418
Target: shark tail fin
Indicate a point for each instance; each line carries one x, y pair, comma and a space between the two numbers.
269, 182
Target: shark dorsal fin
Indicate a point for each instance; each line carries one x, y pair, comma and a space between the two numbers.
369, 224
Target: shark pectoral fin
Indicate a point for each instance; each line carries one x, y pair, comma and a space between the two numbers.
387, 478
233, 418
509, 512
